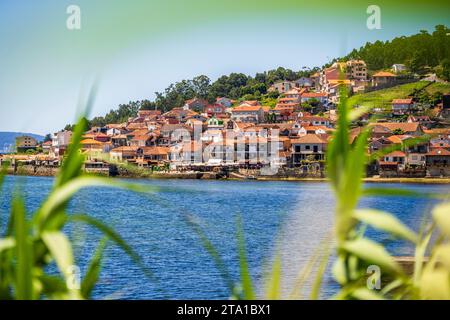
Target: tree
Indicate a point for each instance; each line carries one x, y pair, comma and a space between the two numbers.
398, 131
445, 69
201, 86
48, 137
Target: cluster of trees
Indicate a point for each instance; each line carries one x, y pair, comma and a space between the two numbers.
422, 96
234, 86
420, 52
119, 115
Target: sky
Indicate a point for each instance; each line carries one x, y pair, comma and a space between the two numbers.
138, 47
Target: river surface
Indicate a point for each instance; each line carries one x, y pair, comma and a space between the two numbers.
294, 215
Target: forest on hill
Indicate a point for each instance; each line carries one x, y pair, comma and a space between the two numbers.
422, 52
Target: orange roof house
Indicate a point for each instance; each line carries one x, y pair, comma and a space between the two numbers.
383, 74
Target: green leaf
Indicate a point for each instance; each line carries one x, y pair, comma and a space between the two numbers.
61, 250
212, 251
93, 272
273, 282
315, 290
419, 256
7, 243
53, 287
435, 284
372, 253
338, 270
386, 222
396, 192
441, 214
24, 253
442, 253
246, 280
366, 294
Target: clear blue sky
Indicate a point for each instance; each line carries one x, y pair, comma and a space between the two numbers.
141, 47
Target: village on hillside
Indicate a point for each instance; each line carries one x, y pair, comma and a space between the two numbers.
243, 139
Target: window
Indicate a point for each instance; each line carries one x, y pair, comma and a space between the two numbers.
307, 147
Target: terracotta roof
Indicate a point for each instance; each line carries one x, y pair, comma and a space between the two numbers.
314, 94
142, 138
285, 107
398, 138
309, 128
384, 74
388, 163
155, 150
90, 141
125, 149
120, 136
287, 99
244, 108
173, 127
251, 102
309, 138
402, 101
438, 152
405, 126
437, 131
314, 118
396, 154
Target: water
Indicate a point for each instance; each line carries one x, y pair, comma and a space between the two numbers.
294, 215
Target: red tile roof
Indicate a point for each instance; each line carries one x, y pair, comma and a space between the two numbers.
309, 138
383, 74
402, 101
438, 152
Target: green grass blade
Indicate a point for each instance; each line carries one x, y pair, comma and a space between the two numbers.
315, 290
274, 280
366, 294
246, 281
61, 250
385, 221
6, 244
24, 254
441, 214
212, 251
93, 272
373, 253
396, 192
419, 256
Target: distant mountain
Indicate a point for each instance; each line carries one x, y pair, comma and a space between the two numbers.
8, 139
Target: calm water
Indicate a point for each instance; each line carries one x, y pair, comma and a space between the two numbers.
294, 215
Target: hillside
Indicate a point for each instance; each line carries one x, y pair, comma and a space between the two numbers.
419, 52
383, 98
8, 139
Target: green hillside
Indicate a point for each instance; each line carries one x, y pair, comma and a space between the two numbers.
383, 98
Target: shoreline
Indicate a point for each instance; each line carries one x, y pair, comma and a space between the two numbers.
202, 176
